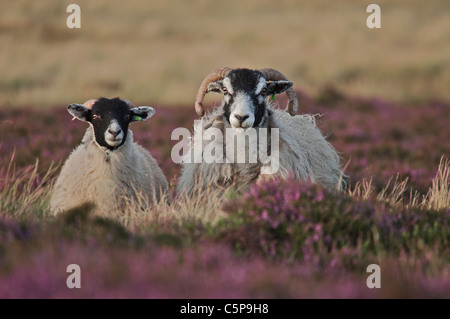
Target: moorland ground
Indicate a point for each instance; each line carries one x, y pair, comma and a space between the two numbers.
383, 98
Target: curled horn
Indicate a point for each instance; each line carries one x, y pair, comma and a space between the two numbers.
215, 75
130, 104
90, 103
274, 75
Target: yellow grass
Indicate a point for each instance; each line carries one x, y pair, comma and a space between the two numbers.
437, 197
158, 51
205, 208
25, 194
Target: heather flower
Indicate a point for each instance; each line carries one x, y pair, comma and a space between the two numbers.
280, 239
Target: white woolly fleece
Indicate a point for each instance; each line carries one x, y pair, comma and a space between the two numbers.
107, 178
304, 154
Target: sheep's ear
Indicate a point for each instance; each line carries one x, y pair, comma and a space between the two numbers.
215, 87
277, 87
141, 113
80, 112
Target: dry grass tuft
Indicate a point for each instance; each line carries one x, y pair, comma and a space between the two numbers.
24, 193
437, 197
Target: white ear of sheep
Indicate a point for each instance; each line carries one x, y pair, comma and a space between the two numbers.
142, 113
89, 104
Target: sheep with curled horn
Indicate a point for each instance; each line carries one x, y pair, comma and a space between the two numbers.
303, 151
108, 169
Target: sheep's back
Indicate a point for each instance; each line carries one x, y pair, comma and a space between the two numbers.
304, 151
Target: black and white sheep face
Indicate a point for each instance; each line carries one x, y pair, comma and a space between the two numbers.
110, 119
244, 94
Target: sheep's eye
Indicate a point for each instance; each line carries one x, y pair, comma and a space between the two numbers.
96, 117
127, 117
224, 90
263, 91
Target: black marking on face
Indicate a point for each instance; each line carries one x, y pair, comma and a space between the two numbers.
104, 111
246, 81
226, 109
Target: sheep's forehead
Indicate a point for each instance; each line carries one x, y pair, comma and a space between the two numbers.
245, 80
110, 108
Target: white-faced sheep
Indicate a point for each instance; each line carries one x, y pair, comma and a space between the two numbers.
303, 152
108, 169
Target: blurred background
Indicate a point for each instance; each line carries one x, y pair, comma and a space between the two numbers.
385, 99
159, 51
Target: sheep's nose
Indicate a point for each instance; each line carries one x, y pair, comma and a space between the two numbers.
115, 133
240, 118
